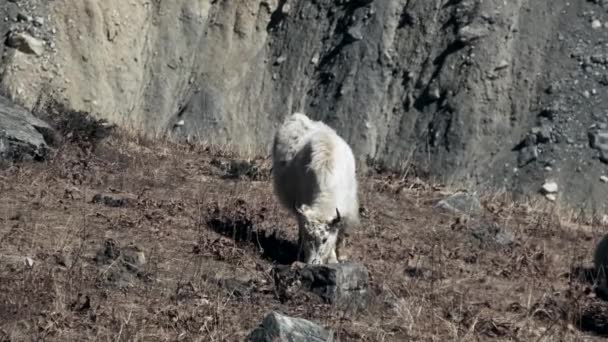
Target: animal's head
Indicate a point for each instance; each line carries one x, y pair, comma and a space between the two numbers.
319, 234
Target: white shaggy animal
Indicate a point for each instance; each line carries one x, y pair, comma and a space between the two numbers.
314, 177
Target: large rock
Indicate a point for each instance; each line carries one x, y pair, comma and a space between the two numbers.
22, 135
280, 328
342, 284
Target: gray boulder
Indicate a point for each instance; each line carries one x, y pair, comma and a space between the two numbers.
278, 328
22, 135
461, 202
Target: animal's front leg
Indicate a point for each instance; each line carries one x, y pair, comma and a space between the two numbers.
301, 253
341, 248
333, 258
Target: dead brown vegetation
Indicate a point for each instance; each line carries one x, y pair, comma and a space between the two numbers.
210, 230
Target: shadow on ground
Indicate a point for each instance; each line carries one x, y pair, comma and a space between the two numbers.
242, 230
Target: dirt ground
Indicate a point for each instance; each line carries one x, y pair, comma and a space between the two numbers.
142, 241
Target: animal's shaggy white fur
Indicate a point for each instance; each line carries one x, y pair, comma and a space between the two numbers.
314, 177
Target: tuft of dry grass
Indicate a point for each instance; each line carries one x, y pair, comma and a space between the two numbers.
210, 229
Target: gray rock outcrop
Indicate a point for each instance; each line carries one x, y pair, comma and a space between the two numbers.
22, 135
280, 328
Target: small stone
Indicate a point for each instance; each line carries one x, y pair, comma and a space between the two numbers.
134, 255
488, 234
527, 155
550, 187
597, 59
72, 192
280, 60
29, 262
604, 179
548, 168
23, 17
470, 33
586, 94
502, 64
122, 265
315, 59
235, 287
112, 200
62, 259
461, 202
596, 24
551, 197
434, 93
25, 43
38, 21
598, 139
354, 34
551, 111
543, 133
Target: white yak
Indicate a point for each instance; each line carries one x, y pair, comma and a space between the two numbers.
314, 177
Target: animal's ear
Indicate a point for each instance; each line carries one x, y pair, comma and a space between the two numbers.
337, 219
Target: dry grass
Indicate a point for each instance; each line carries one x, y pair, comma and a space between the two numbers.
211, 229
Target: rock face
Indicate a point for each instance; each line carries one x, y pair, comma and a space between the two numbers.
21, 134
451, 89
278, 327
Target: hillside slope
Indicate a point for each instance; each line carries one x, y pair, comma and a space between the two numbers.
476, 92
156, 241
